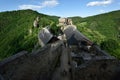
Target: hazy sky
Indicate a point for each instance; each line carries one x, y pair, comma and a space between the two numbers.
63, 8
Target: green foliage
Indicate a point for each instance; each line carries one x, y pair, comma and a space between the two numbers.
107, 24
93, 35
101, 28
54, 29
76, 19
111, 46
17, 32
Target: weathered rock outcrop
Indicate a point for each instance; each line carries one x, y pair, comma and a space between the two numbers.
38, 65
36, 22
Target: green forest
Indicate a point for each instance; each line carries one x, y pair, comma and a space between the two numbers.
17, 32
103, 29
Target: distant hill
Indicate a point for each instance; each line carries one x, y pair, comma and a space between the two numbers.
103, 29
17, 32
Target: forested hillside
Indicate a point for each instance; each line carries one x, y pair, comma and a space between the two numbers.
17, 32
103, 29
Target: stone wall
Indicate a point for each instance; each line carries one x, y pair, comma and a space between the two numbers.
38, 65
97, 70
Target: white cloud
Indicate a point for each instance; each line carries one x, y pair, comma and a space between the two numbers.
30, 7
47, 3
50, 3
99, 3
